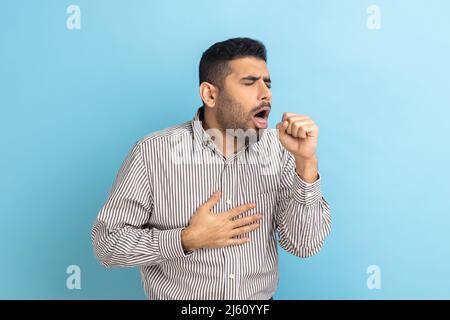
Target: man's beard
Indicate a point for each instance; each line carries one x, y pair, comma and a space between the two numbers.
233, 120
232, 117
230, 113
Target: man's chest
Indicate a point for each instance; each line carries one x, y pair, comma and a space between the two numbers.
179, 189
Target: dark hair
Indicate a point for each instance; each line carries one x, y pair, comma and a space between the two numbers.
214, 62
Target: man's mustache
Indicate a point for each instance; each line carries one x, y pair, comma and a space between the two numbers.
262, 105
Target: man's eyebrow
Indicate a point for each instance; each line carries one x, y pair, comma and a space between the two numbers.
255, 78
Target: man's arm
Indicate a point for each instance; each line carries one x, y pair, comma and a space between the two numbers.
120, 234
303, 216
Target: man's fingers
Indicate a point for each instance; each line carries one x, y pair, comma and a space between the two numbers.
294, 126
286, 123
281, 127
245, 229
238, 210
246, 220
307, 130
289, 116
235, 242
212, 201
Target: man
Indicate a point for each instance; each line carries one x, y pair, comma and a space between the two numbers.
197, 206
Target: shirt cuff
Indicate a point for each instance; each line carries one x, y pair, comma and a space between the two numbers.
304, 192
170, 244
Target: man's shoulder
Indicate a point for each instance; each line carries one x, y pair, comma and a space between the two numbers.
167, 134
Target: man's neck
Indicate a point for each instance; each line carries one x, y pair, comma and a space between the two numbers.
210, 122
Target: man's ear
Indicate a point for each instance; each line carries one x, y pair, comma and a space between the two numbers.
208, 93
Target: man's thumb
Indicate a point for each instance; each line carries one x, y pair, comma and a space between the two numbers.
281, 127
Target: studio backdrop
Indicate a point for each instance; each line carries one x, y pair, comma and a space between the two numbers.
81, 81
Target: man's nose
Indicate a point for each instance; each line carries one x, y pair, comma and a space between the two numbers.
265, 93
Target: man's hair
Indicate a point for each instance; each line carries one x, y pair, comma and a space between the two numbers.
214, 62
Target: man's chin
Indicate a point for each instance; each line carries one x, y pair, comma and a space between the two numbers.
254, 132
247, 130
258, 130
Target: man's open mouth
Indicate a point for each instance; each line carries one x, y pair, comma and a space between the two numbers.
260, 118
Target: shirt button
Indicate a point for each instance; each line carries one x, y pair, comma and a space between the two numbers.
309, 194
300, 191
229, 201
231, 275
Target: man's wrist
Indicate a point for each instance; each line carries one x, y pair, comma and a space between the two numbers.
187, 241
307, 169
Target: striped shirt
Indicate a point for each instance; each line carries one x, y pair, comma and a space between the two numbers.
168, 174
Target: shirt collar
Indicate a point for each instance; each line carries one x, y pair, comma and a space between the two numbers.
201, 138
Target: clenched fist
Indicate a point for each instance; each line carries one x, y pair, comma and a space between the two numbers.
299, 134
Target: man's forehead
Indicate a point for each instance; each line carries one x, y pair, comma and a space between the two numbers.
246, 66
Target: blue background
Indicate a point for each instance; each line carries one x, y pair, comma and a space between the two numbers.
73, 102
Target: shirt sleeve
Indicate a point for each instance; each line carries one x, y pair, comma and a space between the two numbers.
303, 218
120, 234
